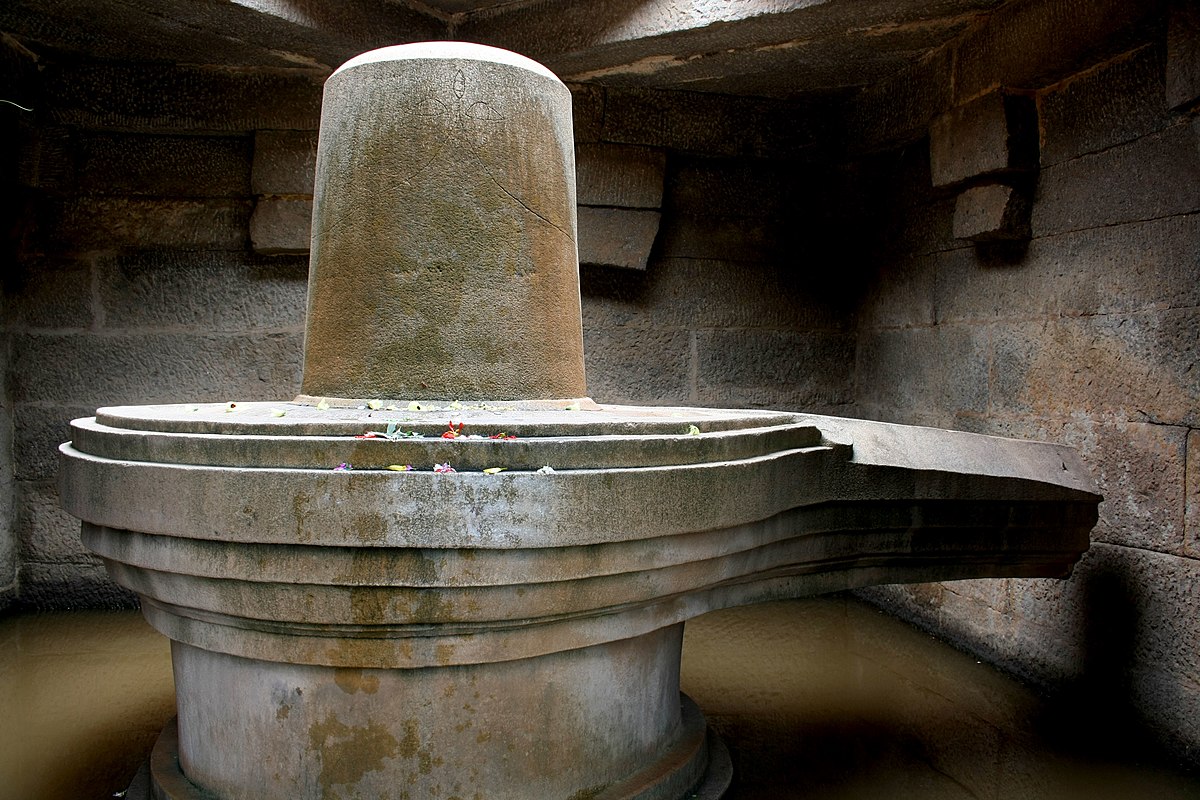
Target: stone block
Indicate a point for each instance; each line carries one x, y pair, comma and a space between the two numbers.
924, 376
49, 293
183, 98
59, 587
720, 238
38, 431
208, 290
1115, 103
899, 108
809, 370
1191, 514
1034, 44
587, 111
1126, 268
641, 365
46, 532
80, 370
165, 166
991, 135
285, 162
617, 237
708, 123
281, 225
1183, 55
732, 187
1152, 177
1110, 368
992, 212
900, 293
624, 176
47, 159
88, 224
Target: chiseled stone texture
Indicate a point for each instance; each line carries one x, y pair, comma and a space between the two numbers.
1087, 335
617, 237
281, 225
284, 162
993, 134
992, 212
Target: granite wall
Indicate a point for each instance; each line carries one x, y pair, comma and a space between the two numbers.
1082, 328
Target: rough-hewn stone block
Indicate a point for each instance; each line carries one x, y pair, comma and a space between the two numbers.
625, 176
721, 238
46, 532
105, 223
785, 369
1031, 45
57, 586
898, 109
208, 291
188, 99
74, 370
1118, 269
1155, 176
281, 225
38, 431
638, 365
993, 134
901, 292
285, 162
587, 111
1118, 102
732, 187
1183, 55
617, 237
1191, 517
1116, 367
924, 376
166, 166
993, 212
48, 293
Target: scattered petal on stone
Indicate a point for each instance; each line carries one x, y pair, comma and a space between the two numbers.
390, 408
323, 405
503, 436
693, 430
343, 467
278, 412
455, 406
443, 469
573, 407
494, 470
546, 470
400, 467
415, 406
374, 405
231, 407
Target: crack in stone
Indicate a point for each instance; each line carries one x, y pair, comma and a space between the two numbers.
525, 206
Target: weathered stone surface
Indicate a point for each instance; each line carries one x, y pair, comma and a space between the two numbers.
166, 166
899, 108
284, 162
624, 176
1031, 45
1155, 176
639, 364
1119, 102
9, 542
800, 370
734, 187
46, 533
617, 237
39, 429
925, 376
49, 293
209, 291
1183, 55
281, 225
180, 98
1129, 268
62, 586
993, 212
1127, 367
991, 135
901, 293
722, 238
104, 223
145, 367
487, 148
1191, 517
587, 111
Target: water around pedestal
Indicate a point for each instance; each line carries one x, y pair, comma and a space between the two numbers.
822, 699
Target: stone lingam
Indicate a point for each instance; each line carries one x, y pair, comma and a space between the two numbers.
442, 571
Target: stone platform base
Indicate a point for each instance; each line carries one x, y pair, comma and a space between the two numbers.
160, 777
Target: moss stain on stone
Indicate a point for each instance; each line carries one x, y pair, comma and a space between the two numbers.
348, 753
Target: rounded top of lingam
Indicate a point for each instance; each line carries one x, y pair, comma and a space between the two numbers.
444, 260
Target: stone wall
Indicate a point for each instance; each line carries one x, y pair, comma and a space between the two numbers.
165, 260
1087, 333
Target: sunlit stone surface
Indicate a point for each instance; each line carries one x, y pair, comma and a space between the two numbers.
392, 596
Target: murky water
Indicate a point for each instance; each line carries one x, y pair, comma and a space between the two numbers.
822, 699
